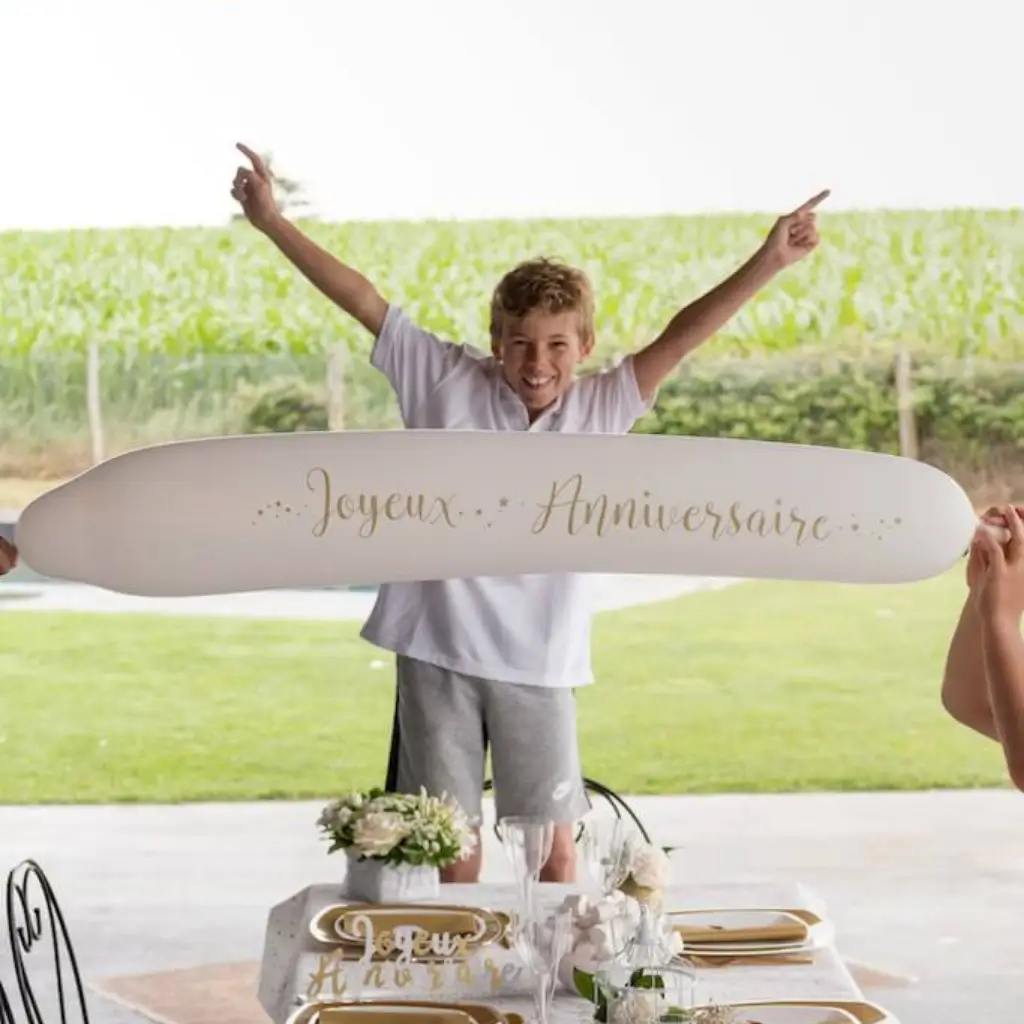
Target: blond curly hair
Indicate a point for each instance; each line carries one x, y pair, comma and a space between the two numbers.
543, 284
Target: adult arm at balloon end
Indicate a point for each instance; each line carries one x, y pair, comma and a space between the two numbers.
344, 286
964, 687
792, 238
1004, 669
965, 693
1001, 609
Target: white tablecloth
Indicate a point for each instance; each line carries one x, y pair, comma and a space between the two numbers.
289, 944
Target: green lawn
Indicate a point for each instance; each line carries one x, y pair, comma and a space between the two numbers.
766, 686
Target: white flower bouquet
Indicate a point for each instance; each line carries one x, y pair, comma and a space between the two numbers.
398, 828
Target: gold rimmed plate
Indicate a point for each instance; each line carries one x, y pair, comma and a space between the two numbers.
477, 1013
394, 1014
809, 1011
746, 927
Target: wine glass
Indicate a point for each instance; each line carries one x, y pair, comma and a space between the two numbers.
527, 843
605, 845
543, 942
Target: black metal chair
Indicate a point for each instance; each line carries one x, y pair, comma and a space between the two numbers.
35, 924
6, 1013
592, 787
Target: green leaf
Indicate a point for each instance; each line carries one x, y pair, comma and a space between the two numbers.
584, 984
640, 979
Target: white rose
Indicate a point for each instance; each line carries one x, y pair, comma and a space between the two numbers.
636, 1007
329, 815
651, 867
376, 834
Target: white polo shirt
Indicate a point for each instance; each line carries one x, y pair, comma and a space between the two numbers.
532, 629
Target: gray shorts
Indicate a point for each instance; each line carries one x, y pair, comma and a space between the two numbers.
446, 721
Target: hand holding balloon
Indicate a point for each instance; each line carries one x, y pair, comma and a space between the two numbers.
996, 523
995, 568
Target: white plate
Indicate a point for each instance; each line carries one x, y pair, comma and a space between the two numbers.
746, 948
794, 1015
743, 954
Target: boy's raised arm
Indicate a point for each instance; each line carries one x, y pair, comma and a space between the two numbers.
346, 287
792, 237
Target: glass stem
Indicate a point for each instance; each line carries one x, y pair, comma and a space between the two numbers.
540, 999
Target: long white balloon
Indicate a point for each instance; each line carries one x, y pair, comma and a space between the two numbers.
292, 510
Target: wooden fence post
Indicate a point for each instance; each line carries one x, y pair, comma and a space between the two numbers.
905, 405
93, 402
337, 360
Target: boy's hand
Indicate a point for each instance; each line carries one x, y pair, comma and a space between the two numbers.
254, 190
976, 562
792, 238
794, 235
998, 573
8, 556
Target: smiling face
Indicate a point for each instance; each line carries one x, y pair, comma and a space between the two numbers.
541, 330
539, 354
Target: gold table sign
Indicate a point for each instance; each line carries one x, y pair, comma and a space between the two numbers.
405, 946
383, 931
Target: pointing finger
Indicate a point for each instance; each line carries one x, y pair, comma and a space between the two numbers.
257, 161
811, 203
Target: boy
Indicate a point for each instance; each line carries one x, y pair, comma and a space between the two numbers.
497, 659
983, 682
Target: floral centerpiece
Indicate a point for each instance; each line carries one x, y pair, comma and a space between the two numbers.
648, 1005
396, 843
624, 928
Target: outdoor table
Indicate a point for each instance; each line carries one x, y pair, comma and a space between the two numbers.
291, 953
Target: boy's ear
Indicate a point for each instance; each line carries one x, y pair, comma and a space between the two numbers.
496, 348
587, 345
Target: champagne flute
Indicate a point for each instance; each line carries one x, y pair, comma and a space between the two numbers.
605, 844
543, 942
527, 843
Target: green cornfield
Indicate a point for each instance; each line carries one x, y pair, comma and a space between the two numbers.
189, 323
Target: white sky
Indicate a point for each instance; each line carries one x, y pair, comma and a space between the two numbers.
478, 108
